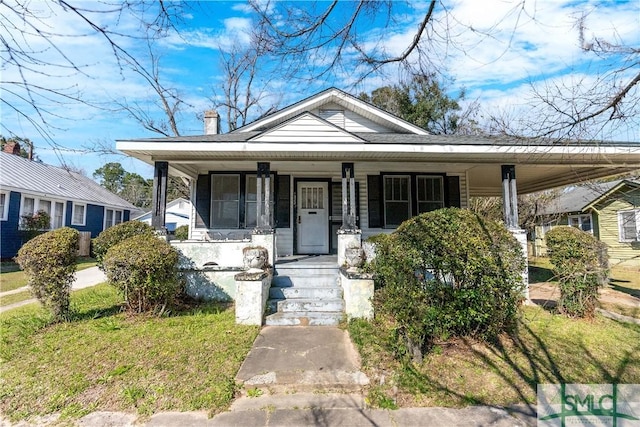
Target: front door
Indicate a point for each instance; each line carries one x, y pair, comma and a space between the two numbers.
313, 217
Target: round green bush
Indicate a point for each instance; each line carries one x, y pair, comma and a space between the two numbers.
182, 232
448, 273
144, 270
580, 263
49, 262
116, 234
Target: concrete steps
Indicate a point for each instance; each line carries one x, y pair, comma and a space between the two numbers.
305, 293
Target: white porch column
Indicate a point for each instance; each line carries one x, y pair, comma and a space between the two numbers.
510, 212
263, 196
509, 196
348, 197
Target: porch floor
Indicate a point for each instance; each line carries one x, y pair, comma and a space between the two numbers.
308, 260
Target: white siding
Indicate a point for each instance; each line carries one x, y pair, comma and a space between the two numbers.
354, 122
307, 128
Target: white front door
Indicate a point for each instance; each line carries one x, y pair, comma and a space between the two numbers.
313, 217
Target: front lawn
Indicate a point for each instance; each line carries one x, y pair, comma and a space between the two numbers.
107, 360
547, 348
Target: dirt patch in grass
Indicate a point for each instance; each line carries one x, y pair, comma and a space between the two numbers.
621, 295
546, 294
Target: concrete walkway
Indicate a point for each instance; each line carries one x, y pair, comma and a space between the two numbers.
84, 278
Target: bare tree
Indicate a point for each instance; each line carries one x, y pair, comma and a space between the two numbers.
317, 39
594, 107
244, 95
330, 34
35, 56
167, 101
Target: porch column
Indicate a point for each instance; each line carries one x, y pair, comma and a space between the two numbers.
509, 196
348, 197
263, 195
159, 198
510, 212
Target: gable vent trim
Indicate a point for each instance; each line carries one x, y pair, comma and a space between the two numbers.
335, 117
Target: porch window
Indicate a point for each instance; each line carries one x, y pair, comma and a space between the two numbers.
4, 206
78, 215
225, 201
112, 217
251, 197
397, 208
629, 225
582, 222
430, 193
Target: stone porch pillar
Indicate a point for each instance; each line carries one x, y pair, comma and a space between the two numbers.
159, 198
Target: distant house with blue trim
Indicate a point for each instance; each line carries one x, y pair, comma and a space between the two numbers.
70, 199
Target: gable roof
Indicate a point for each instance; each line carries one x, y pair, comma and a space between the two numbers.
622, 184
343, 99
23, 175
319, 130
580, 198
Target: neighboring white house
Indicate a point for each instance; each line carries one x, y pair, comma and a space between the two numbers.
177, 214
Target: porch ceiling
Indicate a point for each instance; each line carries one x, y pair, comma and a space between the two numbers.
538, 167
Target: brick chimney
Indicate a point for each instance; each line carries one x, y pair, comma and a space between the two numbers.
211, 122
12, 147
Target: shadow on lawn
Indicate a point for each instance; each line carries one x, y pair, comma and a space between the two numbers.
540, 274
526, 354
183, 307
613, 283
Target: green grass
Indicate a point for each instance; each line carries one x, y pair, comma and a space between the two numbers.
11, 277
14, 298
547, 348
107, 360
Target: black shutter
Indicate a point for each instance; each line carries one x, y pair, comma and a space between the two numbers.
283, 201
203, 201
374, 200
452, 185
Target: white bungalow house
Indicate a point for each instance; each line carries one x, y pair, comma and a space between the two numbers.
176, 214
320, 175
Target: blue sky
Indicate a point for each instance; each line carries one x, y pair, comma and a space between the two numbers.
512, 45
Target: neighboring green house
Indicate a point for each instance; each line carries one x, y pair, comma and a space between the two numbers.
611, 211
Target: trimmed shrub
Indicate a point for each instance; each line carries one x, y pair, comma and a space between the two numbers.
182, 232
116, 234
580, 263
49, 262
144, 270
448, 273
